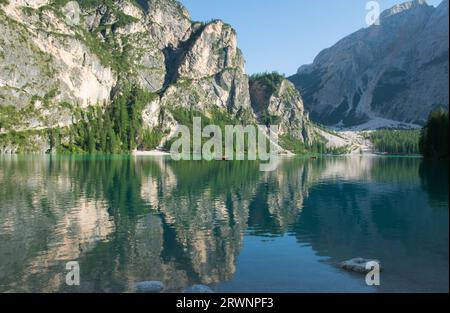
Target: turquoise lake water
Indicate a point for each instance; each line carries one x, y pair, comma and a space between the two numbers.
223, 224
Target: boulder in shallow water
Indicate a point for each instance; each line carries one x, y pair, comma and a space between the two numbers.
198, 289
152, 286
357, 265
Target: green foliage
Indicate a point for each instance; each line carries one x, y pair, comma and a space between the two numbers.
95, 3
185, 117
271, 80
337, 151
23, 142
150, 139
109, 51
318, 146
103, 41
292, 144
395, 141
54, 138
59, 3
5, 2
215, 116
124, 19
434, 136
298, 147
268, 119
27, 10
222, 118
115, 129
11, 117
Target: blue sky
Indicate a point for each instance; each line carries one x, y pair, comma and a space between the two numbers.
281, 35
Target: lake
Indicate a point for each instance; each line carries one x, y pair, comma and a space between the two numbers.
224, 224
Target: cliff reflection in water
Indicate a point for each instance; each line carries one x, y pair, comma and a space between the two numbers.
132, 219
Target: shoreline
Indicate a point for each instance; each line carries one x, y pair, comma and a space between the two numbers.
150, 153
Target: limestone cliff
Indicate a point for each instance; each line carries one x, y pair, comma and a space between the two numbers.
206, 72
53, 63
397, 70
276, 101
81, 65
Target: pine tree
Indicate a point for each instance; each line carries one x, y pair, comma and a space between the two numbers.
91, 141
435, 135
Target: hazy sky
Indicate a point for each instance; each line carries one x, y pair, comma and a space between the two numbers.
281, 35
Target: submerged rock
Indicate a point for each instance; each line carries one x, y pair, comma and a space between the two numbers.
357, 265
152, 286
198, 289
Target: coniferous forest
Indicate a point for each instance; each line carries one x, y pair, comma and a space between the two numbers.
395, 141
434, 136
113, 129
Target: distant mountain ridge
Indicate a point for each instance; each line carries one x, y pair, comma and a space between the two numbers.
397, 71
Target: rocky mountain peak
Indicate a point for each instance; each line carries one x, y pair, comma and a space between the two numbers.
128, 56
213, 49
393, 73
402, 7
173, 6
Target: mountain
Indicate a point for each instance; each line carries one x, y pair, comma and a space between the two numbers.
52, 67
392, 74
116, 75
275, 101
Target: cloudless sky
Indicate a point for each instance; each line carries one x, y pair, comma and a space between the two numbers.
281, 35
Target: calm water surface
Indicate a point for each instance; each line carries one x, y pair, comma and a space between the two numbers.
223, 224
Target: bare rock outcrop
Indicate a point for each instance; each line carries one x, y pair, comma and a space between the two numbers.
397, 70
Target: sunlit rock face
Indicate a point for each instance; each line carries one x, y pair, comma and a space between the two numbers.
214, 48
204, 72
397, 70
282, 103
168, 21
51, 64
47, 62
30, 3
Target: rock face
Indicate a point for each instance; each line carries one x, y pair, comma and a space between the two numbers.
205, 72
276, 101
51, 64
54, 64
395, 71
43, 64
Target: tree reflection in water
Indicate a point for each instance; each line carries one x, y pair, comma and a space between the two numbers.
131, 219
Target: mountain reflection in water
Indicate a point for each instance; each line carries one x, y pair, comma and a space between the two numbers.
224, 224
